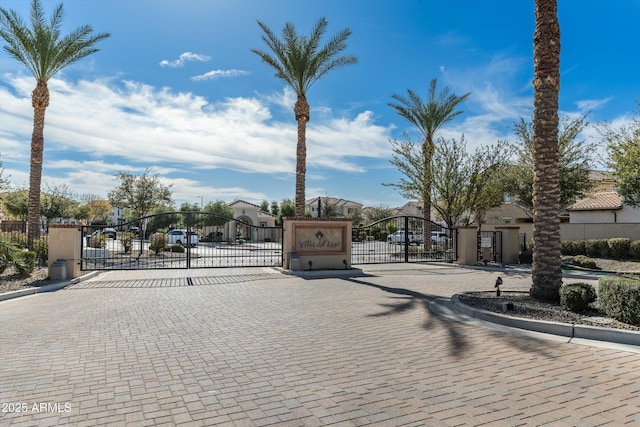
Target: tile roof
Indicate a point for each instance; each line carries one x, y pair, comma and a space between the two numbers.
597, 202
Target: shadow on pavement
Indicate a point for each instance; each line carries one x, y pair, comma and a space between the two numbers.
408, 300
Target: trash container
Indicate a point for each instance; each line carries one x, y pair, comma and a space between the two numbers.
59, 270
294, 261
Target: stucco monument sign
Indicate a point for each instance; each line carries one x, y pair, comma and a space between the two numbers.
311, 244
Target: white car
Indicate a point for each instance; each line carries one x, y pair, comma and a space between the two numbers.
438, 237
399, 237
179, 237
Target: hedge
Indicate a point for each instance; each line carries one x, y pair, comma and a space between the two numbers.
619, 298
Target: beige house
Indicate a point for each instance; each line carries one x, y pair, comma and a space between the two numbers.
603, 182
344, 207
600, 208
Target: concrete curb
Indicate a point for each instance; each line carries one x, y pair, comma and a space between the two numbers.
568, 330
55, 286
323, 274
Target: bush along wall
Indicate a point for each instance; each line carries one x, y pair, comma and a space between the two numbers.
617, 247
619, 298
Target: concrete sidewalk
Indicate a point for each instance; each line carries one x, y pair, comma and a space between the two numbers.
256, 347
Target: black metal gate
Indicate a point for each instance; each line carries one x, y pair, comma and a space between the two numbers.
403, 239
490, 247
193, 239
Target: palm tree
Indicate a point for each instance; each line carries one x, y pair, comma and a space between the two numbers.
428, 118
547, 271
299, 61
44, 52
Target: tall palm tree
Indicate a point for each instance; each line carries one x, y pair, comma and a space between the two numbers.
299, 61
428, 118
547, 271
44, 51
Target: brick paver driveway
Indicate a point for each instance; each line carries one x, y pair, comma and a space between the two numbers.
256, 347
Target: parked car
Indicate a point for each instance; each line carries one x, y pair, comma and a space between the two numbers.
180, 237
438, 237
399, 237
109, 233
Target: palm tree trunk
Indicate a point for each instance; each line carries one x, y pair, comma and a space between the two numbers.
301, 110
547, 271
428, 150
40, 102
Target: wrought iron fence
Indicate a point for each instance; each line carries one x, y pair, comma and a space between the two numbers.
180, 240
403, 239
490, 247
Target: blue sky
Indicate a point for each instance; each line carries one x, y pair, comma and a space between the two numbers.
177, 89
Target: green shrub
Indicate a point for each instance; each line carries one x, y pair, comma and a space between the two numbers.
634, 249
619, 247
126, 239
8, 252
18, 238
579, 247
41, 248
603, 248
619, 298
176, 248
25, 262
592, 249
583, 261
158, 243
576, 297
99, 241
525, 257
567, 247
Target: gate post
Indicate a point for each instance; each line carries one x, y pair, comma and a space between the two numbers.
64, 244
467, 242
510, 243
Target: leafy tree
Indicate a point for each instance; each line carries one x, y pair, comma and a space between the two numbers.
623, 145
43, 51
329, 209
140, 193
374, 214
100, 209
57, 202
467, 185
264, 206
299, 61
161, 218
4, 182
287, 209
82, 212
575, 161
428, 117
189, 207
357, 216
547, 270
274, 208
16, 204
222, 213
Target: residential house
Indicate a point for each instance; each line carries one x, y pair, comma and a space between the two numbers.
605, 207
343, 207
249, 218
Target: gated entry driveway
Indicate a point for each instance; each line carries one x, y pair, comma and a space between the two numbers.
256, 347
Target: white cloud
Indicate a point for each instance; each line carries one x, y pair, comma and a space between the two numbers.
183, 58
587, 105
217, 74
95, 129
